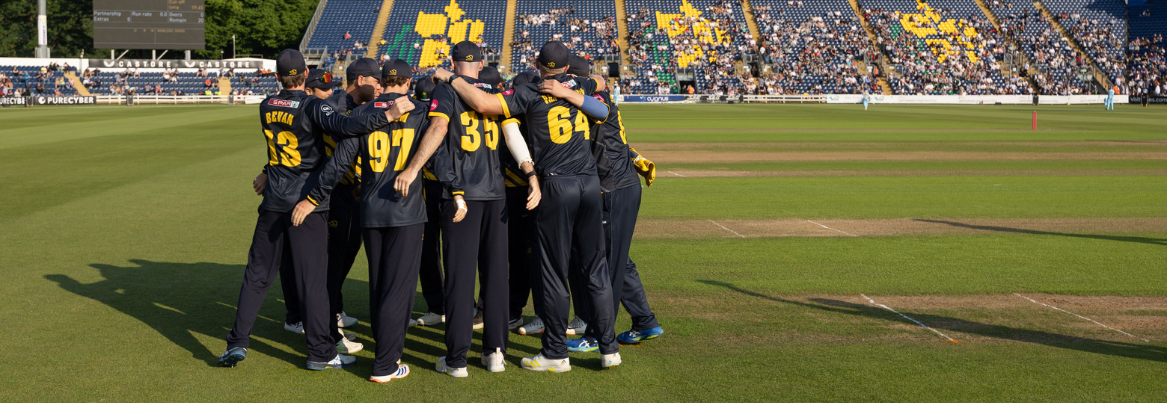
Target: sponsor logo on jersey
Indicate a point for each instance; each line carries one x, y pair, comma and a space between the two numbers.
569, 84
434, 105
484, 86
283, 103
327, 109
508, 92
383, 105
598, 97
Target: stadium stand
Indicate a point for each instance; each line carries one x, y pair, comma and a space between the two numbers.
1147, 61
175, 82
422, 31
813, 47
38, 80
1059, 69
705, 37
941, 47
588, 28
1100, 27
345, 27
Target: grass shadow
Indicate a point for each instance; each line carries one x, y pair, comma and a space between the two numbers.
1118, 349
1120, 238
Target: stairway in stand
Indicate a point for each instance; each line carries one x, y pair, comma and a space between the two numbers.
1024, 58
81, 90
508, 39
1049, 16
882, 80
379, 30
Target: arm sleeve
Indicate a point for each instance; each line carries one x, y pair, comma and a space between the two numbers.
337, 167
339, 125
444, 169
515, 142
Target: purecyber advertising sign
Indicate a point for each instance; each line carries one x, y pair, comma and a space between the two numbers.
48, 100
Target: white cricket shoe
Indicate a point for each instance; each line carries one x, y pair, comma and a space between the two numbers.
494, 361
514, 324
454, 372
577, 326
431, 319
343, 320
478, 320
345, 346
350, 336
402, 371
610, 360
297, 327
341, 361
535, 327
541, 363
412, 323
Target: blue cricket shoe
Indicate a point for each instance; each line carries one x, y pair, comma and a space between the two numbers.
232, 356
582, 345
636, 336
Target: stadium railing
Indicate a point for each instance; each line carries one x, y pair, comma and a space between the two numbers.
180, 100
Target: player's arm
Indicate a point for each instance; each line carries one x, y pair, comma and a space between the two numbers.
479, 100
592, 107
519, 150
341, 162
643, 166
444, 171
260, 182
600, 83
441, 107
345, 126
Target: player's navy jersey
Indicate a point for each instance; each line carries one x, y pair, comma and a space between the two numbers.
343, 102
294, 124
467, 162
616, 169
558, 132
383, 154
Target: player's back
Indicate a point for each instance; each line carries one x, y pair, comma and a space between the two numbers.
619, 172
468, 161
560, 134
293, 148
384, 154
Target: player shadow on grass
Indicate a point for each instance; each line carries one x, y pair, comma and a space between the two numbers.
186, 301
1121, 238
1119, 349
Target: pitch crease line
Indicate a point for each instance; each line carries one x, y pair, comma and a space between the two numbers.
1082, 317
674, 173
832, 229
909, 318
727, 229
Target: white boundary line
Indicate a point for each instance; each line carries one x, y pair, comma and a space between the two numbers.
727, 229
1081, 317
908, 318
674, 173
832, 229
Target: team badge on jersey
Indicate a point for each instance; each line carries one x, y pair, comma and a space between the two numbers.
327, 109
434, 105
283, 103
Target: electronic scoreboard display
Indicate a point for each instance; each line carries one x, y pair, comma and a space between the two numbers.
149, 24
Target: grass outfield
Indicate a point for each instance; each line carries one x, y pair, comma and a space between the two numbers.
770, 246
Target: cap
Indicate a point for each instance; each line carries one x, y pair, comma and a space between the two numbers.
365, 67
424, 89
578, 66
466, 51
523, 78
553, 55
321, 79
396, 68
290, 63
490, 76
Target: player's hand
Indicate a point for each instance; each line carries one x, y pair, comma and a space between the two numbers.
534, 194
357, 192
303, 208
442, 75
645, 168
404, 180
555, 89
259, 184
461, 213
401, 106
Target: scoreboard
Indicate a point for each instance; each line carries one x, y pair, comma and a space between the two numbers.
149, 24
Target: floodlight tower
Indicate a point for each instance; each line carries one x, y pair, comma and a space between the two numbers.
42, 31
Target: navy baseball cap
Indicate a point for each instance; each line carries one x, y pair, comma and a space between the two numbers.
466, 51
290, 63
321, 79
490, 76
363, 67
524, 77
579, 66
553, 55
396, 68
423, 89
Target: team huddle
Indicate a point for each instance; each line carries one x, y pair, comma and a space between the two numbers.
531, 188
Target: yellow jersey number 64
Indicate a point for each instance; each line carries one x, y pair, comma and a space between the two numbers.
559, 124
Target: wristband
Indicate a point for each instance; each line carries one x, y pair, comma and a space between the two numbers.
532, 173
461, 204
452, 78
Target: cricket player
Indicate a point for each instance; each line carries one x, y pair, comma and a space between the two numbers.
293, 123
392, 224
1110, 99
556, 115
866, 99
432, 287
617, 166
474, 221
